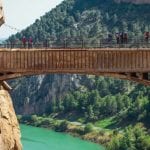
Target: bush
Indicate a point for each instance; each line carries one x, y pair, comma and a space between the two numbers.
19, 117
26, 119
46, 122
88, 128
62, 127
34, 118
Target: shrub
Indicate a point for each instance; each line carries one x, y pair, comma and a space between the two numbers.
62, 127
88, 128
19, 117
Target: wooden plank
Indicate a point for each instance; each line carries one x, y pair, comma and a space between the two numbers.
144, 59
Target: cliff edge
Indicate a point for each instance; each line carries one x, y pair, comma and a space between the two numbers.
9, 127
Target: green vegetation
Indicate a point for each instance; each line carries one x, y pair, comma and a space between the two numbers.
62, 127
106, 123
133, 138
93, 105
85, 131
103, 102
88, 128
85, 19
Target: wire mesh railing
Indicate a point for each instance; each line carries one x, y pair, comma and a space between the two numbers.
56, 44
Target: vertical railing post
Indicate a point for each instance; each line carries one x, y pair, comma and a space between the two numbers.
100, 43
65, 43
11, 45
82, 43
47, 43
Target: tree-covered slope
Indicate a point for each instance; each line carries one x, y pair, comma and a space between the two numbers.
106, 102
91, 20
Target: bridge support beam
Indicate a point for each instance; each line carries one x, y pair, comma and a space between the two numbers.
141, 78
5, 86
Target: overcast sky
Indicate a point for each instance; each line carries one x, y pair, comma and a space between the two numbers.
22, 13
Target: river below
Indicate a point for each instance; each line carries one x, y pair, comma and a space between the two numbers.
43, 139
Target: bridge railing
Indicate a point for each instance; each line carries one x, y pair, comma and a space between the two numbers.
69, 43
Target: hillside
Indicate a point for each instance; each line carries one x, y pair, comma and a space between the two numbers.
86, 98
76, 19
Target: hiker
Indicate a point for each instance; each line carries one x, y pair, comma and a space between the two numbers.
147, 35
117, 38
122, 37
24, 40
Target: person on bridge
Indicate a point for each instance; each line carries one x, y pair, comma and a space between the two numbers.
122, 37
24, 41
147, 36
30, 42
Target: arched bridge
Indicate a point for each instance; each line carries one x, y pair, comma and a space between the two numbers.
124, 63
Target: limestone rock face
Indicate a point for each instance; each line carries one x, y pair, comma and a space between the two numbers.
9, 127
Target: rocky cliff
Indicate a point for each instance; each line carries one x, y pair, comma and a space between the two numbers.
43, 91
9, 127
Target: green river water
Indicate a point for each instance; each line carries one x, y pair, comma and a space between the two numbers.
43, 139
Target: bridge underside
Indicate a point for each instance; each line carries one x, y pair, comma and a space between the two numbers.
141, 78
127, 64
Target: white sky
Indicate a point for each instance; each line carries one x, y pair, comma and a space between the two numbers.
22, 13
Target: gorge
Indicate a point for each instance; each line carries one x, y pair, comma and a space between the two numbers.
106, 103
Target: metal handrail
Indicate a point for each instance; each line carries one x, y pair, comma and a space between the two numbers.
102, 43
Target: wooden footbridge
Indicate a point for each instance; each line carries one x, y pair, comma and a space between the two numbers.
124, 63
